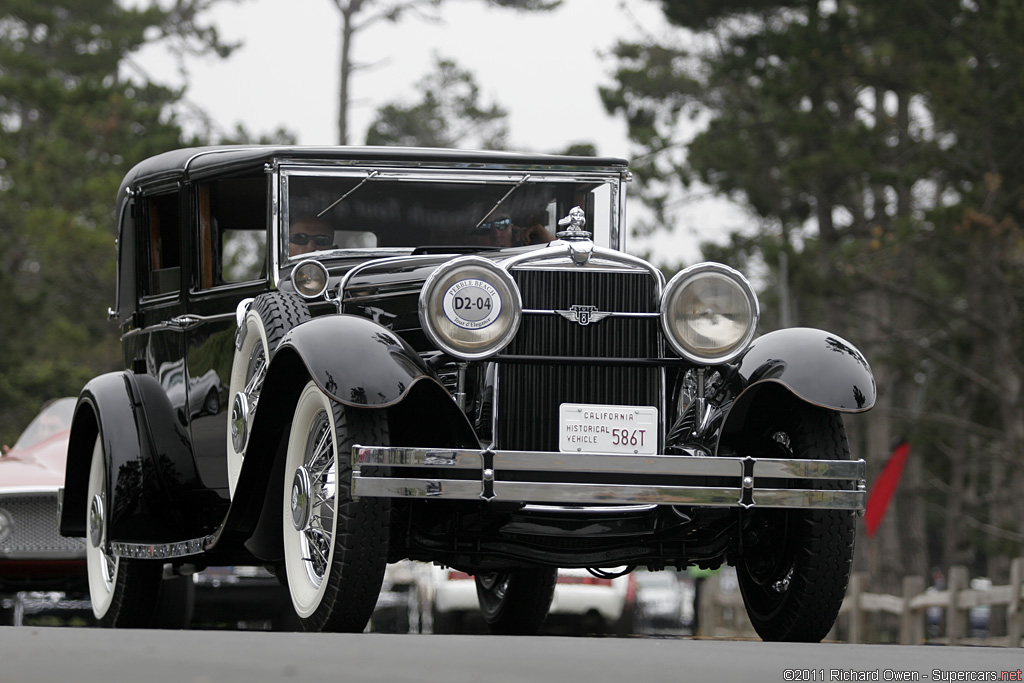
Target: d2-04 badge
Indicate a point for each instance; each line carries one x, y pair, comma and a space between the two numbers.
472, 304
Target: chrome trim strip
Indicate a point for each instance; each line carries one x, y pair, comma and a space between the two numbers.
611, 314
831, 499
662, 465
615, 493
347, 277
563, 249
587, 509
179, 323
743, 472
417, 457
161, 551
452, 489
512, 174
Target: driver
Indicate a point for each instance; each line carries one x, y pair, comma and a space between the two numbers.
307, 235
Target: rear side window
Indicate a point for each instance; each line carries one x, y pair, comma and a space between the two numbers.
232, 231
161, 232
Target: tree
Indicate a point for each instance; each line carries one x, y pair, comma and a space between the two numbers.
875, 142
357, 15
449, 115
72, 125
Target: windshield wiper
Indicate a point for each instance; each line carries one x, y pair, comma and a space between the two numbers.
494, 208
339, 200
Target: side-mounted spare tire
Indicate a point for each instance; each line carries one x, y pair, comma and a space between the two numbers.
269, 318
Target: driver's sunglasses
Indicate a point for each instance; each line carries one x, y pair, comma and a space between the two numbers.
318, 240
500, 224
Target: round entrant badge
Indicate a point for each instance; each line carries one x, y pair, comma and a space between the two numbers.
472, 304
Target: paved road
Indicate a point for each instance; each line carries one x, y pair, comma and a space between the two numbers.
79, 655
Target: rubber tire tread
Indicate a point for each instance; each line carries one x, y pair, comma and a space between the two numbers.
824, 544
361, 537
525, 606
136, 594
280, 312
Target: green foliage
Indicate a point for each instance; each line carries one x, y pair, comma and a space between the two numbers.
878, 142
449, 115
71, 126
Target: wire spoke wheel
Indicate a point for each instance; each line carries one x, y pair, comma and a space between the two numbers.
335, 548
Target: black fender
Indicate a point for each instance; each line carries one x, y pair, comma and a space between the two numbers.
358, 363
818, 367
355, 360
151, 471
795, 364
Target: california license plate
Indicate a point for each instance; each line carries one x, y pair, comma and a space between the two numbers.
584, 428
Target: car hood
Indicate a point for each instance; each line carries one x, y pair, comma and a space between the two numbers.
41, 465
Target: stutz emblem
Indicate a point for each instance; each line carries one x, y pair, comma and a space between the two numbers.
584, 315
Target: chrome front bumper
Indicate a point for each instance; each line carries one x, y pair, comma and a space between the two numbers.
788, 483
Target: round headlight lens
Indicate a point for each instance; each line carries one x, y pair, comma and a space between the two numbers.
709, 313
310, 278
470, 308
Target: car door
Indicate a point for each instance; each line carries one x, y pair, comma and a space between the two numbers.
229, 257
153, 343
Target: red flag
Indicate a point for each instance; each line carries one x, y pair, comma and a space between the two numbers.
885, 486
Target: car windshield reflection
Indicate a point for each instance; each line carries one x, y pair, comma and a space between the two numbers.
333, 212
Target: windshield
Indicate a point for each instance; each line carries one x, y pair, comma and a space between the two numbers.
54, 418
374, 211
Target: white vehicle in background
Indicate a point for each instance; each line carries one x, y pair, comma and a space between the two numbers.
592, 604
454, 600
664, 602
581, 602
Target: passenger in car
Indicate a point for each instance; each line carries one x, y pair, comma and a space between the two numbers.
307, 235
499, 230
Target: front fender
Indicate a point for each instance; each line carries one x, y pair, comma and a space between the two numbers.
355, 361
147, 453
818, 367
358, 363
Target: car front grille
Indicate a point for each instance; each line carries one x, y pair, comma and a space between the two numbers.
30, 529
530, 392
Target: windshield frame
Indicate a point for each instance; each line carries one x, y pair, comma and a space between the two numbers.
365, 175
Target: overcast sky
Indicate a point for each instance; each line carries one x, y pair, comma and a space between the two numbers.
543, 68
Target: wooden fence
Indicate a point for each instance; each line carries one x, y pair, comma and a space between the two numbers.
722, 613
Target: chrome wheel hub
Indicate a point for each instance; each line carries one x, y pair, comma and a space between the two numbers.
239, 421
313, 499
300, 499
96, 521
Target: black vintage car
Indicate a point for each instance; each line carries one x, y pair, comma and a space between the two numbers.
444, 356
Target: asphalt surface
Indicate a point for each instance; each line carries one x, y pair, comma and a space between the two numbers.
83, 655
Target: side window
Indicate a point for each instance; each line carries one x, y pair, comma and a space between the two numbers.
161, 231
232, 231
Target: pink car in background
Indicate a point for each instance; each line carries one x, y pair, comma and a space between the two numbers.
33, 554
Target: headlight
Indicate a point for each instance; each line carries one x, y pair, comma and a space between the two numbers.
470, 308
709, 313
310, 278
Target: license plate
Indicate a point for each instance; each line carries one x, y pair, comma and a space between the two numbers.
586, 428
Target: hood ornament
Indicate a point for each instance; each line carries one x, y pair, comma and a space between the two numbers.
584, 315
573, 226
581, 245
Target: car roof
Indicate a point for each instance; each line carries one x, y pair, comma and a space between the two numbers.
208, 160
